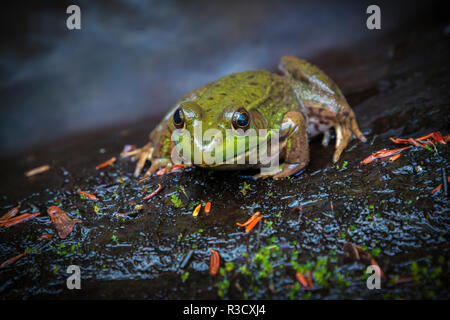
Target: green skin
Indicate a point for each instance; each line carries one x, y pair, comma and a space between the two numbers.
302, 102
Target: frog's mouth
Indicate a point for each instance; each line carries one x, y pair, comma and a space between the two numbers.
231, 161
241, 158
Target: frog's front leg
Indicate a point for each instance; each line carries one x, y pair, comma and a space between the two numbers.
294, 139
294, 129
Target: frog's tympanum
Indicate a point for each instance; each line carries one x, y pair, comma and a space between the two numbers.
301, 103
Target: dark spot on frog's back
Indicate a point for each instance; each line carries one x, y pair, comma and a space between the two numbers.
250, 76
223, 93
211, 98
253, 83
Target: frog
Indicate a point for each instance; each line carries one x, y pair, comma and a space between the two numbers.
300, 102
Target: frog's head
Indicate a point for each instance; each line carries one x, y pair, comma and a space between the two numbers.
217, 135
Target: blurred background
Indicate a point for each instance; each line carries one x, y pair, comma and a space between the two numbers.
133, 59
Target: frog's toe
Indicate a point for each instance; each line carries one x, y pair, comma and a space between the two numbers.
343, 137
261, 176
143, 157
355, 129
157, 164
151, 170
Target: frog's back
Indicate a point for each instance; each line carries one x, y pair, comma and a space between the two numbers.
238, 88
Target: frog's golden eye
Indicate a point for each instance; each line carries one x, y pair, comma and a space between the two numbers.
178, 118
241, 119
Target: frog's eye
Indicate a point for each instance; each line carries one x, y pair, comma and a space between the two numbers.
241, 119
178, 118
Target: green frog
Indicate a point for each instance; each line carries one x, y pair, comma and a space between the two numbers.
300, 103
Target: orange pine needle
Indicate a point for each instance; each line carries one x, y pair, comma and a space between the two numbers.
207, 207
197, 210
45, 236
398, 140
16, 220
106, 163
425, 137
10, 214
154, 193
249, 220
12, 260
302, 280
177, 167
89, 195
252, 224
403, 280
440, 186
383, 153
395, 157
37, 170
161, 172
144, 179
437, 136
436, 189
214, 262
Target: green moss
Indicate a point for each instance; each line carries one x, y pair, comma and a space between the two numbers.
185, 276
176, 201
229, 266
245, 188
115, 239
375, 252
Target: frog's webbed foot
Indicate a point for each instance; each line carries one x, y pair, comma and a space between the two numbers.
344, 134
143, 154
